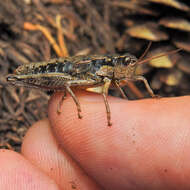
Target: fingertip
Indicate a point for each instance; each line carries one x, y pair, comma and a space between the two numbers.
41, 148
18, 173
140, 128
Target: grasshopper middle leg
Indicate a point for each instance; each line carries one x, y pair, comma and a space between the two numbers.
120, 89
105, 88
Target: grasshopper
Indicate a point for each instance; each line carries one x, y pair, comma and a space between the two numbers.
85, 72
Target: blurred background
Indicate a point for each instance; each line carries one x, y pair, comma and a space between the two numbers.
37, 30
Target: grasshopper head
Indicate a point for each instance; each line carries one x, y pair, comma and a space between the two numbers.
125, 68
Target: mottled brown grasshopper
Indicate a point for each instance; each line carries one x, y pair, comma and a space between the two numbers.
84, 72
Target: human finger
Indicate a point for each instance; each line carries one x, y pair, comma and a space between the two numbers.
146, 147
41, 149
19, 174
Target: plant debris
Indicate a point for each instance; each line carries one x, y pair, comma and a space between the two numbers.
37, 30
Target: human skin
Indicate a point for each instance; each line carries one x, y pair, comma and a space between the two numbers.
147, 147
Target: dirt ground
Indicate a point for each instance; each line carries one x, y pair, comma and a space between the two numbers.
37, 30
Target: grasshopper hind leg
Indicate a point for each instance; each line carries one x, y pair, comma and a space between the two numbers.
61, 102
69, 90
69, 84
104, 92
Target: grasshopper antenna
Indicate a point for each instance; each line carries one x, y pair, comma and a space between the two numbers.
157, 56
145, 52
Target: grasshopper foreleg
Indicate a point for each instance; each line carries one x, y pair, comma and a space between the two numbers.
141, 78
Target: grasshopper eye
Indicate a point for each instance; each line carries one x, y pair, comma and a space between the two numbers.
130, 60
133, 62
127, 60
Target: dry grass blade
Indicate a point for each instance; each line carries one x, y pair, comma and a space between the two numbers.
47, 34
61, 40
149, 31
183, 44
89, 27
184, 64
176, 23
172, 3
134, 6
171, 78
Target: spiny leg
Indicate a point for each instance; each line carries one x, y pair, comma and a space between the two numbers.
106, 86
150, 91
75, 100
84, 83
120, 89
61, 102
